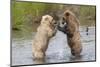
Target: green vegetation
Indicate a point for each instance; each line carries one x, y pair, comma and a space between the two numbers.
88, 15
23, 13
26, 15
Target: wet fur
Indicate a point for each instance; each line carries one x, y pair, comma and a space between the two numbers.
72, 32
45, 31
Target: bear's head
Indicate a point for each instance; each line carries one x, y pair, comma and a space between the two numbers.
67, 22
48, 20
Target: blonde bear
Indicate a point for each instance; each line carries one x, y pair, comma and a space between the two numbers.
45, 31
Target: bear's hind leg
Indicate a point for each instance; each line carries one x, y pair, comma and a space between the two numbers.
38, 55
76, 49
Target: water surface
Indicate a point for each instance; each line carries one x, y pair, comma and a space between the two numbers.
58, 50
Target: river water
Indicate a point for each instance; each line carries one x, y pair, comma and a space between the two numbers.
58, 50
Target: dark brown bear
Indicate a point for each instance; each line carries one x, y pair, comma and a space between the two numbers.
70, 26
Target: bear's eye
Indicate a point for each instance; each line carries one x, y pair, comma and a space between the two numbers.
46, 18
55, 22
63, 18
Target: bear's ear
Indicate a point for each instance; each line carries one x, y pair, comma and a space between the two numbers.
67, 14
45, 18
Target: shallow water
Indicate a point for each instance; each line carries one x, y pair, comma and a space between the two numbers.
58, 50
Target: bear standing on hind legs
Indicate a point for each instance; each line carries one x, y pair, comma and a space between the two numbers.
70, 26
45, 31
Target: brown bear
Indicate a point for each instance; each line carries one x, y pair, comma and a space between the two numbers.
70, 26
45, 31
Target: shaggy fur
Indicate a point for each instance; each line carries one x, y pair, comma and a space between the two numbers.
45, 31
70, 26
